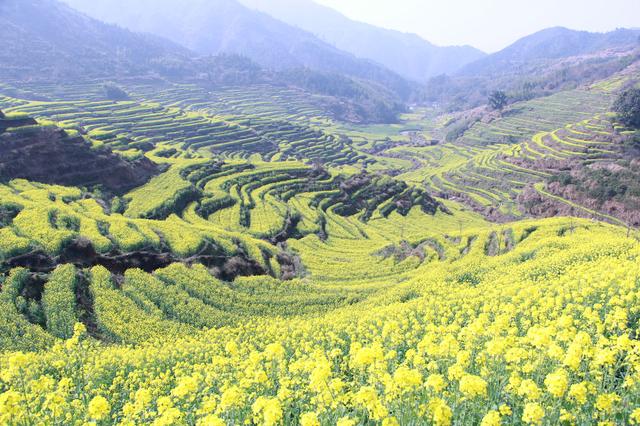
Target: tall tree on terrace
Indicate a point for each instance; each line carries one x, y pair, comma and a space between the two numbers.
498, 100
628, 108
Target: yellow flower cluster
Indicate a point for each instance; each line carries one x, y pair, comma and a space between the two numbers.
545, 334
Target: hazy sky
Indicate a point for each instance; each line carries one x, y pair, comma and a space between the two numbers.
489, 25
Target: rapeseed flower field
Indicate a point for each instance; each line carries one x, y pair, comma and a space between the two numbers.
543, 334
280, 267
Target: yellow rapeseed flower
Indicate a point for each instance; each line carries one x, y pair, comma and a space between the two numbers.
99, 408
440, 412
267, 411
473, 386
533, 413
436, 382
557, 383
232, 397
345, 421
309, 419
579, 392
390, 421
492, 418
605, 402
529, 390
505, 410
406, 378
210, 420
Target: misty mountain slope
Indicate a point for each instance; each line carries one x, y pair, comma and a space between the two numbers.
551, 44
49, 39
407, 54
541, 64
211, 27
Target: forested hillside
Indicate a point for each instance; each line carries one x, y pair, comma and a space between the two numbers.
49, 39
226, 26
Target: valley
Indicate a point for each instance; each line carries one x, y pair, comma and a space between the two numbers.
208, 240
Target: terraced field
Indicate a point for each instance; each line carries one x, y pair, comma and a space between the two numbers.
183, 126
490, 166
517, 270
273, 266
351, 262
538, 115
134, 127
261, 102
255, 101
495, 177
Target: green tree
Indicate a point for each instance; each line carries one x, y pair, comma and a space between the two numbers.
628, 108
498, 100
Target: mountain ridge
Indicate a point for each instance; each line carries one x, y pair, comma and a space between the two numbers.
86, 48
550, 44
226, 26
405, 53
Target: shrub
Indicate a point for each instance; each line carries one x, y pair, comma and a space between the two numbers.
114, 93
628, 108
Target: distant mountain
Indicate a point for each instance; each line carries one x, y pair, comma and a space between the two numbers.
407, 54
541, 64
45, 38
211, 27
551, 44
